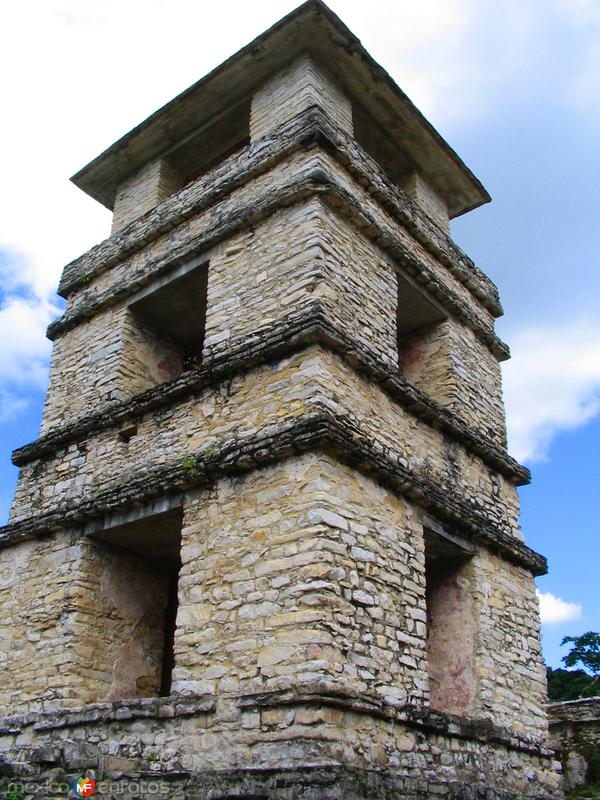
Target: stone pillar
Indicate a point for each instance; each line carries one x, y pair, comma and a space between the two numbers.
430, 201
302, 85
143, 191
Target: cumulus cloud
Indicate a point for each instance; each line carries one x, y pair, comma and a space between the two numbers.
551, 384
554, 610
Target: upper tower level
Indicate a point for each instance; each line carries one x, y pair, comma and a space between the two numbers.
308, 59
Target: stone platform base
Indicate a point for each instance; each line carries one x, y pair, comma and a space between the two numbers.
318, 744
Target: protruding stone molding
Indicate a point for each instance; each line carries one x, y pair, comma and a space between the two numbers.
318, 430
304, 131
328, 694
397, 202
288, 335
317, 183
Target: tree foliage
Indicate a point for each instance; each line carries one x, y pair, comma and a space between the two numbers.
585, 651
570, 684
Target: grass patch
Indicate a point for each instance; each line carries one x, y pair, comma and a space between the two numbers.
590, 790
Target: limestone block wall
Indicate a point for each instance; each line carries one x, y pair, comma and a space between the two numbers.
84, 368
250, 403
451, 633
118, 617
575, 733
392, 235
310, 744
262, 272
448, 363
302, 572
78, 624
306, 568
426, 196
302, 85
147, 357
510, 667
144, 190
37, 583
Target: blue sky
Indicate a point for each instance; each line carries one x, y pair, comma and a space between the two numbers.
512, 86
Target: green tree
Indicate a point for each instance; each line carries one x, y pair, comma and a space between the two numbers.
586, 653
570, 684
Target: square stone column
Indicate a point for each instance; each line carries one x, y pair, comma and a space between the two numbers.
300, 86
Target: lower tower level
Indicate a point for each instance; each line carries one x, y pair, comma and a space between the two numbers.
267, 543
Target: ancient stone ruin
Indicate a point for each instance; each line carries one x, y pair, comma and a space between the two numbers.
575, 733
267, 543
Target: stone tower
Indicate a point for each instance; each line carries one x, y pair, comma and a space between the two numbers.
267, 543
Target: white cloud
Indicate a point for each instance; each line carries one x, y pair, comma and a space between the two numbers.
554, 610
551, 384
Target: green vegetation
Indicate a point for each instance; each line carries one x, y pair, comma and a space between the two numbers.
590, 790
188, 463
585, 651
570, 684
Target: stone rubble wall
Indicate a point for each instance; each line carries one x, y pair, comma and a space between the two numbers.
575, 733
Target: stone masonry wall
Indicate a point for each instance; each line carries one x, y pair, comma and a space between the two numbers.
78, 624
302, 85
310, 746
424, 194
448, 363
510, 665
302, 572
309, 569
143, 191
325, 262
575, 733
240, 254
245, 406
302, 663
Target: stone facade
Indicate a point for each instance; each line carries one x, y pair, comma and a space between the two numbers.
267, 543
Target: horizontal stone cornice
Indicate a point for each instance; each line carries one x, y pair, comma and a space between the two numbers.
318, 183
315, 431
285, 336
365, 169
328, 694
309, 128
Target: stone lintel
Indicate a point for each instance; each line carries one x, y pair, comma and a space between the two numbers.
314, 431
